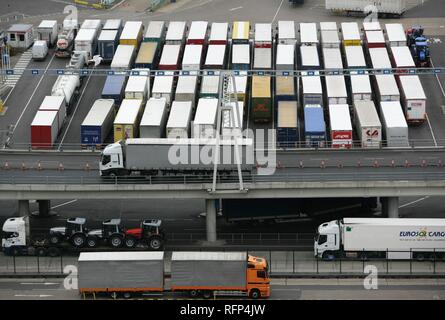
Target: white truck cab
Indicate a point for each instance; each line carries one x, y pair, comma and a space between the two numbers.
111, 159
14, 233
327, 238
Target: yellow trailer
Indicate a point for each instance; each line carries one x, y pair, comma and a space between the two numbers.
240, 32
126, 123
132, 33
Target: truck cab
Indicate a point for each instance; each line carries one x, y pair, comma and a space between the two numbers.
111, 160
327, 239
14, 235
258, 281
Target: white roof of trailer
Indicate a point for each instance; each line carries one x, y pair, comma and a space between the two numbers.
86, 35
395, 32
379, 58
387, 85
412, 87
179, 114
328, 26
47, 24
336, 86
122, 55
287, 114
350, 31
90, 24
360, 83
98, 112
395, 221
367, 113
121, 256
163, 84
214, 256
339, 116
176, 30
206, 111
286, 29
170, 54
154, 111
137, 84
355, 56
330, 36
52, 102
402, 57
198, 30
240, 53
375, 36
263, 32
262, 58
240, 83
311, 84
44, 118
112, 24
155, 29
241, 30
131, 30
393, 114
219, 31
209, 84
332, 58
215, 54
107, 35
371, 26
192, 54
128, 111
309, 56
285, 54
186, 84
20, 27
308, 32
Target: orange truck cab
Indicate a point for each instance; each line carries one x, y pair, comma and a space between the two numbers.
257, 277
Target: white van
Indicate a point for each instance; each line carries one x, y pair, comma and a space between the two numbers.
39, 50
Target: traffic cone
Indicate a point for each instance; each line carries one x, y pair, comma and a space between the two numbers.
279, 165
61, 168
39, 166
424, 164
6, 167
406, 164
392, 163
376, 164
87, 167
23, 166
301, 164
322, 164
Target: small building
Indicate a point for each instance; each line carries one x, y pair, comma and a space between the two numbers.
20, 36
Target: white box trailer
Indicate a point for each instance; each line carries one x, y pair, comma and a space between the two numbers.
47, 31
396, 35
285, 58
394, 7
91, 24
113, 24
209, 86
170, 57
240, 56
351, 34
216, 57
178, 124
386, 88
186, 88
340, 124
231, 125
163, 87
355, 58
240, 32
132, 33
155, 31
219, 33
286, 32
380, 58
123, 58
154, 119
413, 98
332, 59
397, 238
86, 40
204, 124
198, 32
367, 124
263, 35
371, 26
330, 39
192, 57
375, 39
55, 103
44, 129
360, 87
311, 90
176, 32
138, 87
308, 33
402, 58
328, 25
308, 58
262, 58
394, 123
336, 90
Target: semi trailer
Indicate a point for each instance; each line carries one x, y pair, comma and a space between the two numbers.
399, 238
384, 7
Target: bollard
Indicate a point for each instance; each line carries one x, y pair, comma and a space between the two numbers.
6, 167
406, 164
279, 165
39, 166
61, 168
323, 164
393, 163
376, 164
23, 166
301, 164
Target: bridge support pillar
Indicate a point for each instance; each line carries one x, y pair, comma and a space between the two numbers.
44, 209
211, 220
23, 208
390, 207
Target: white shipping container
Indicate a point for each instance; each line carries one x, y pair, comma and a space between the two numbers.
367, 124
231, 125
138, 87
285, 59
91, 24
218, 33
308, 33
100, 115
383, 6
380, 58
123, 57
402, 57
192, 57
175, 32
46, 119
240, 84
204, 124
387, 89
286, 32
309, 57
112, 24
332, 58
394, 124
55, 103
332, 26
355, 57
341, 126
163, 87
186, 88
132, 30
312, 90
178, 123
86, 41
360, 87
241, 54
154, 119
129, 111
170, 57
375, 39
155, 30
350, 31
396, 35
210, 85
330, 39
262, 58
263, 34
216, 56
371, 26
413, 98
198, 32
336, 90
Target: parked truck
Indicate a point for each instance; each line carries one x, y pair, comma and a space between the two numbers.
67, 86
123, 58
98, 123
385, 8
155, 32
114, 88
286, 32
148, 55
398, 239
86, 40
314, 126
287, 124
204, 123
126, 123
47, 31
170, 57
198, 33
395, 128
178, 124
132, 33
413, 99
340, 125
192, 58
219, 33
205, 274
154, 119
216, 57
367, 124
107, 44
163, 86
261, 99
186, 88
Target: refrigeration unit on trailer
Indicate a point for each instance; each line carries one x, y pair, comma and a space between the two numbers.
232, 121
123, 58
86, 40
351, 34
379, 58
263, 35
396, 34
240, 32
178, 124
395, 128
372, 26
262, 58
98, 123
154, 119
175, 32
332, 59
336, 90
186, 88
354, 57
148, 55
55, 103
375, 39
138, 86
340, 125
287, 124
308, 58
386, 88
360, 87
383, 7
198, 32
44, 129
241, 84
328, 26
114, 88
132, 33
314, 126
367, 124
398, 239
155, 32
209, 86
170, 57
261, 100
216, 57
308, 34
47, 31
107, 44
192, 57
204, 123
163, 87
401, 58
113, 24
311, 89
240, 56
126, 123
413, 99
285, 58
329, 39
286, 32
219, 33
285, 89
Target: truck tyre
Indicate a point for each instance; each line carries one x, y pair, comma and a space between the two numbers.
41, 252
91, 242
116, 241
255, 294
207, 294
127, 295
54, 239
130, 242
156, 242
53, 252
193, 293
328, 256
78, 240
420, 257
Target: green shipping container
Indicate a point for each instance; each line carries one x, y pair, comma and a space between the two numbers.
261, 103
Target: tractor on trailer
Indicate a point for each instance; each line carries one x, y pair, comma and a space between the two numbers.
382, 238
205, 274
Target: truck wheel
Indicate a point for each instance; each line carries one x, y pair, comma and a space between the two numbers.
53, 252
193, 293
78, 240
255, 294
54, 239
91, 242
127, 295
207, 294
420, 257
116, 241
41, 252
130, 242
328, 256
155, 243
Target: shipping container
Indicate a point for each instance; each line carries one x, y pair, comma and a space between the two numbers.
360, 87
413, 98
132, 33
186, 88
218, 33
372, 26
240, 32
367, 124
123, 58
154, 119
204, 124
328, 26
284, 89
198, 32
375, 39
354, 57
314, 126
287, 124
47, 31
86, 40
98, 123
192, 57
379, 58
263, 35
232, 126
241, 57
401, 58
341, 127
170, 57
261, 99
330, 39
285, 58
44, 129
396, 35
394, 123
95, 24
113, 24
176, 32
311, 89
308, 34
163, 87
178, 124
394, 7
351, 34
336, 90
114, 88
107, 42
138, 86
262, 58
386, 88
216, 57
55, 103
155, 32
286, 32
332, 59
308, 58
209, 86
126, 123
148, 56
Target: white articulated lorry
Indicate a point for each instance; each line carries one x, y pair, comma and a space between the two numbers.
381, 237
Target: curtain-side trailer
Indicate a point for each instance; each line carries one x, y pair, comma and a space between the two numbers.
98, 123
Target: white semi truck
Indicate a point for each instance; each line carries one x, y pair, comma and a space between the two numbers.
382, 238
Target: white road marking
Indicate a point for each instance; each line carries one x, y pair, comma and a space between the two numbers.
34, 295
438, 80
64, 204
413, 202
278, 10
41, 283
237, 8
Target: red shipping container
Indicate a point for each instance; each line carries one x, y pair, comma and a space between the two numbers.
44, 129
